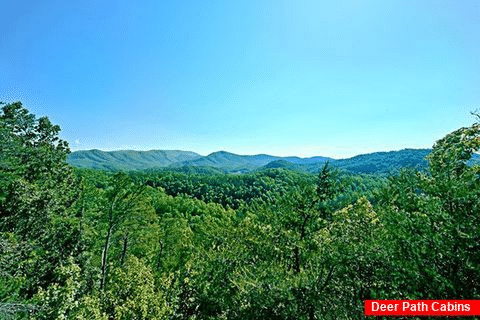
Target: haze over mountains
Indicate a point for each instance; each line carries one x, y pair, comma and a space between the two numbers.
222, 161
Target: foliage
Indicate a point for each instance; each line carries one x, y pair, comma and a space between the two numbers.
133, 294
189, 243
37, 191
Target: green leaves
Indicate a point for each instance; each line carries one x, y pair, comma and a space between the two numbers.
271, 244
37, 191
133, 294
61, 298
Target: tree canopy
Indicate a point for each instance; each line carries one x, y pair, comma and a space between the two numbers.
270, 244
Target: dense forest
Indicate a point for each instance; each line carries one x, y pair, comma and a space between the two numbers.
274, 243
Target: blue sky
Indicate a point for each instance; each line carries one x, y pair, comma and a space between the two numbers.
304, 78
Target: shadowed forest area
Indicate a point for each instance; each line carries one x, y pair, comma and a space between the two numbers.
269, 244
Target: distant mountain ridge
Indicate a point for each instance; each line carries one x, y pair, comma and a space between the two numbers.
377, 162
244, 163
128, 159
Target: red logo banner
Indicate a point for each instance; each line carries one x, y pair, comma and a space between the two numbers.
434, 308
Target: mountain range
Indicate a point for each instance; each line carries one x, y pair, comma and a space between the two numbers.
222, 161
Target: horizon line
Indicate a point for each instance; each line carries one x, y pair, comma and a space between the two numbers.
257, 154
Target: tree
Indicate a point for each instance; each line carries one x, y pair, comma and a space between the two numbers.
282, 259
120, 202
456, 184
431, 224
133, 294
37, 191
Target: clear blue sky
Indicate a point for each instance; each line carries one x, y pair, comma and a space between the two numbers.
305, 78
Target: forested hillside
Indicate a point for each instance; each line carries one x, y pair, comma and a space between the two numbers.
378, 162
128, 159
193, 242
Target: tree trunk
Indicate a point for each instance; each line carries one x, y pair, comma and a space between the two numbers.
125, 247
105, 257
297, 260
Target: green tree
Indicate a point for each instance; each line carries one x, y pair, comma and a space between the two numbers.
133, 294
456, 185
37, 191
283, 260
431, 224
121, 203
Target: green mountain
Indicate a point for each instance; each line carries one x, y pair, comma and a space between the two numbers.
128, 159
385, 162
378, 162
232, 162
227, 160
222, 161
285, 164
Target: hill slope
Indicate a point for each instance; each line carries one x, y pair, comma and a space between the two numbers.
232, 162
128, 159
378, 162
385, 162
